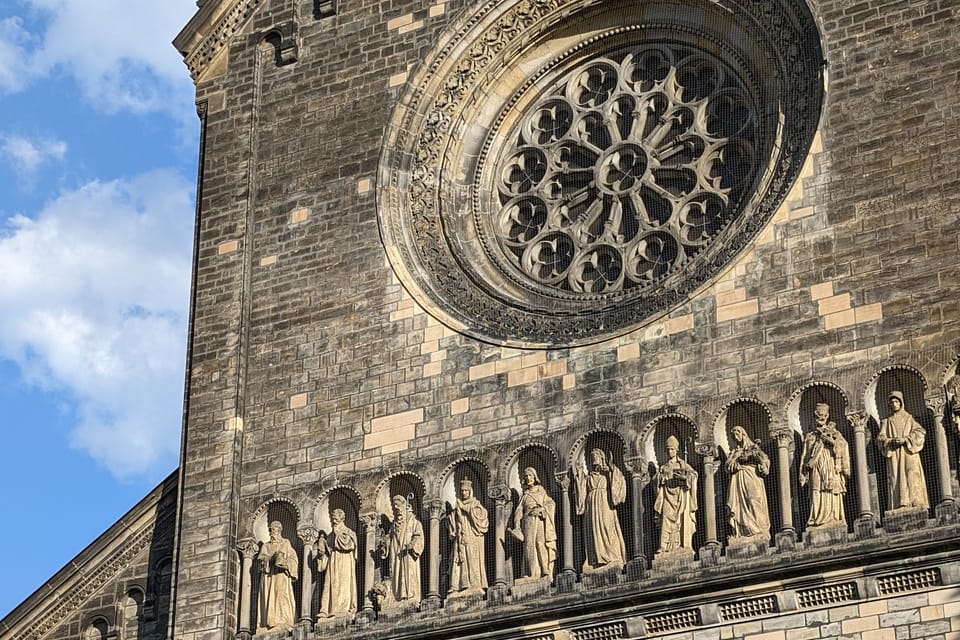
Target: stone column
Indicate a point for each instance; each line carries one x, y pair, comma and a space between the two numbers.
309, 536
501, 496
371, 524
248, 549
710, 552
434, 510
568, 574
946, 509
865, 524
786, 538
639, 479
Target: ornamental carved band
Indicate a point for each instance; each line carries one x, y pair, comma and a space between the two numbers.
561, 171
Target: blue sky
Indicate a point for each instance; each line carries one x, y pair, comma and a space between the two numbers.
98, 148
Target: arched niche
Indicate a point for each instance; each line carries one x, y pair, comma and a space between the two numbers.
96, 629
131, 608
545, 462
801, 417
411, 487
288, 515
277, 510
347, 500
452, 479
613, 447
755, 419
652, 445
406, 484
339, 497
913, 386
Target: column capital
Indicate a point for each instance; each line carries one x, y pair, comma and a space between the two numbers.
639, 468
936, 405
705, 450
784, 438
434, 508
370, 520
308, 535
500, 493
563, 479
858, 421
248, 548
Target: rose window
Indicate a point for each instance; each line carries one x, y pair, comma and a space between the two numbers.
625, 169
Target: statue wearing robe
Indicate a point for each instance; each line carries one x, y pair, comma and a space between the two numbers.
469, 523
901, 439
279, 567
825, 465
403, 550
534, 525
599, 491
338, 557
676, 501
747, 509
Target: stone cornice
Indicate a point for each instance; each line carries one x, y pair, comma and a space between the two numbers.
89, 571
210, 30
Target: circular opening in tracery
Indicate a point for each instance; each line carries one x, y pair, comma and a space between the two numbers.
624, 168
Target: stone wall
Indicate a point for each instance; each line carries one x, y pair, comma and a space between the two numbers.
312, 367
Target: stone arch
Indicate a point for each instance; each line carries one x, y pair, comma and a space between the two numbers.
479, 474
896, 377
282, 509
800, 405
98, 628
651, 443
339, 496
402, 483
130, 611
750, 413
540, 456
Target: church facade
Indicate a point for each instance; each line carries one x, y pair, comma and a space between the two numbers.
559, 320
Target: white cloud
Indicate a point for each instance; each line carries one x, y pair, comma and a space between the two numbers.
26, 155
118, 51
93, 302
13, 53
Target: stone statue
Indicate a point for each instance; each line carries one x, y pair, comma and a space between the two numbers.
279, 567
337, 555
825, 464
952, 390
676, 501
534, 526
468, 525
403, 548
747, 500
599, 491
901, 439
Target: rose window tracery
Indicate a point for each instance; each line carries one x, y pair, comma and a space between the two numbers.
625, 168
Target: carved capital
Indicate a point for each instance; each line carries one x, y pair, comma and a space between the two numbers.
434, 508
563, 479
500, 493
783, 438
202, 109
308, 535
936, 405
858, 421
638, 468
248, 548
370, 521
705, 450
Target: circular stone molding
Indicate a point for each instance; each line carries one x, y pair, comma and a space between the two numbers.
559, 172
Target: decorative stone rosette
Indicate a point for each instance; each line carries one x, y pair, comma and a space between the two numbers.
560, 172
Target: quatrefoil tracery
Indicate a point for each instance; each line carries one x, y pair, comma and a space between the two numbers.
625, 170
